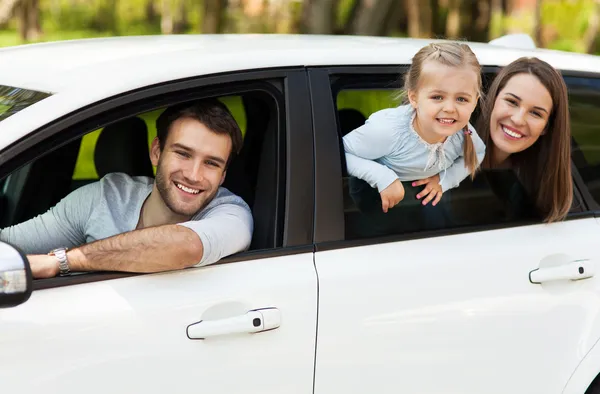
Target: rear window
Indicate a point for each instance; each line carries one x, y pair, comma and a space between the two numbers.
12, 100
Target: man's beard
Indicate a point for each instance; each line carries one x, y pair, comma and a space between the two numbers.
162, 185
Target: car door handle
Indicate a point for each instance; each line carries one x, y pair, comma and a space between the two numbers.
256, 320
575, 270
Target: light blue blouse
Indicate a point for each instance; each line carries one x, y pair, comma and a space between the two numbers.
387, 148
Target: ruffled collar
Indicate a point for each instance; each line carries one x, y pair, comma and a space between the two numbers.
436, 156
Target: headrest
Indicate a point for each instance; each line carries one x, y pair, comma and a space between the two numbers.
123, 147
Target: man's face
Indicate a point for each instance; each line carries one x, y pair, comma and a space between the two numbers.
191, 166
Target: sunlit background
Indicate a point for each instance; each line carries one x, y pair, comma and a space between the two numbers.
570, 25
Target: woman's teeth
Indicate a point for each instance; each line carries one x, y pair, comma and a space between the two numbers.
512, 133
187, 189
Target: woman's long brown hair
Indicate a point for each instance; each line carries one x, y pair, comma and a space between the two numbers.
545, 167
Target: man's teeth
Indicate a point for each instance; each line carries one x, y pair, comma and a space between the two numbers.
187, 189
512, 133
446, 121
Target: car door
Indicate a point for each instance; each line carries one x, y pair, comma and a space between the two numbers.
492, 309
246, 324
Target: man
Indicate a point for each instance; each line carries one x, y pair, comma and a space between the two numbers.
183, 218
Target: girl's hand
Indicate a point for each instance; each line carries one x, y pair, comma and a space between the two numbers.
392, 195
433, 189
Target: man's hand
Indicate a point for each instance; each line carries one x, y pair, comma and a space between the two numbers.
392, 195
433, 189
43, 266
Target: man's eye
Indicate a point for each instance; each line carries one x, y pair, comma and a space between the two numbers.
182, 154
212, 163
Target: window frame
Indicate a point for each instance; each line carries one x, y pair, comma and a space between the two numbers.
329, 233
293, 108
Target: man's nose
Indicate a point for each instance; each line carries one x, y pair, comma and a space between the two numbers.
194, 171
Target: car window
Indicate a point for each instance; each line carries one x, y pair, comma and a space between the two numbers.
123, 146
584, 107
498, 197
85, 168
13, 100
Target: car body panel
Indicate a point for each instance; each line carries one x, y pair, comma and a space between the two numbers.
129, 335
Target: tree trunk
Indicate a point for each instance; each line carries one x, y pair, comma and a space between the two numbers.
453, 22
212, 23
437, 27
166, 18
591, 34
8, 8
414, 17
481, 14
29, 20
150, 12
371, 17
537, 27
181, 23
352, 16
318, 16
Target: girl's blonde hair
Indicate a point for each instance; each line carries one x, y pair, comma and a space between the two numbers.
452, 54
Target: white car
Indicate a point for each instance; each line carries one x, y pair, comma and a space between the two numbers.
312, 307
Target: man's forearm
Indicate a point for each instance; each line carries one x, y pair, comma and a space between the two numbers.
153, 249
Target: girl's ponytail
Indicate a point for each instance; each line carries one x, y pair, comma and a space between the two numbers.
469, 153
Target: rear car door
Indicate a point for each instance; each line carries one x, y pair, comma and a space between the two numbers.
246, 324
472, 309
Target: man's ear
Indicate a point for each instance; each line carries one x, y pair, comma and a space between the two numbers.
223, 178
155, 152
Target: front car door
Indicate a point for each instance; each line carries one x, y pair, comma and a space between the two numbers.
195, 329
452, 310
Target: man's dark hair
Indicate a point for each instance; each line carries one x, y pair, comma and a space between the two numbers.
211, 113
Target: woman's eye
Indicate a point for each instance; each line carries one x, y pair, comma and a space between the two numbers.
537, 114
511, 102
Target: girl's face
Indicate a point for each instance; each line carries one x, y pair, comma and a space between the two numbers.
444, 100
520, 115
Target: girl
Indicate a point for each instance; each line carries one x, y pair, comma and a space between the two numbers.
429, 140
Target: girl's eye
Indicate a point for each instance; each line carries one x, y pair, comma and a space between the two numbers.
462, 100
438, 97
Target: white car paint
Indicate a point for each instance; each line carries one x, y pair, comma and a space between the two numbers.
129, 335
454, 314
457, 314
82, 72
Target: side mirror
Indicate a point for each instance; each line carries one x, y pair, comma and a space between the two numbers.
16, 281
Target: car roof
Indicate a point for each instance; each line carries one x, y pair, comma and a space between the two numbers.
81, 72
130, 62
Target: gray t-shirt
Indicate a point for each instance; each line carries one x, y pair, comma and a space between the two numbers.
112, 206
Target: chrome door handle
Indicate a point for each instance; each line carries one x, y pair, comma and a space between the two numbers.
575, 270
253, 321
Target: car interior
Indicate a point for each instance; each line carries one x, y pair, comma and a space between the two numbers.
123, 146
465, 198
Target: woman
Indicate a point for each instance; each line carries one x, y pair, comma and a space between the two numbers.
525, 125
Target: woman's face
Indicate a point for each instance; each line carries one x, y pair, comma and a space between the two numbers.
520, 115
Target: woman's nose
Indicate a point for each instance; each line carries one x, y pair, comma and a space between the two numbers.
518, 117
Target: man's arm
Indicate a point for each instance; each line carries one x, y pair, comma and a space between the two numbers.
62, 225
227, 229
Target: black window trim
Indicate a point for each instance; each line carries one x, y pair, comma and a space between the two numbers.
295, 121
329, 230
